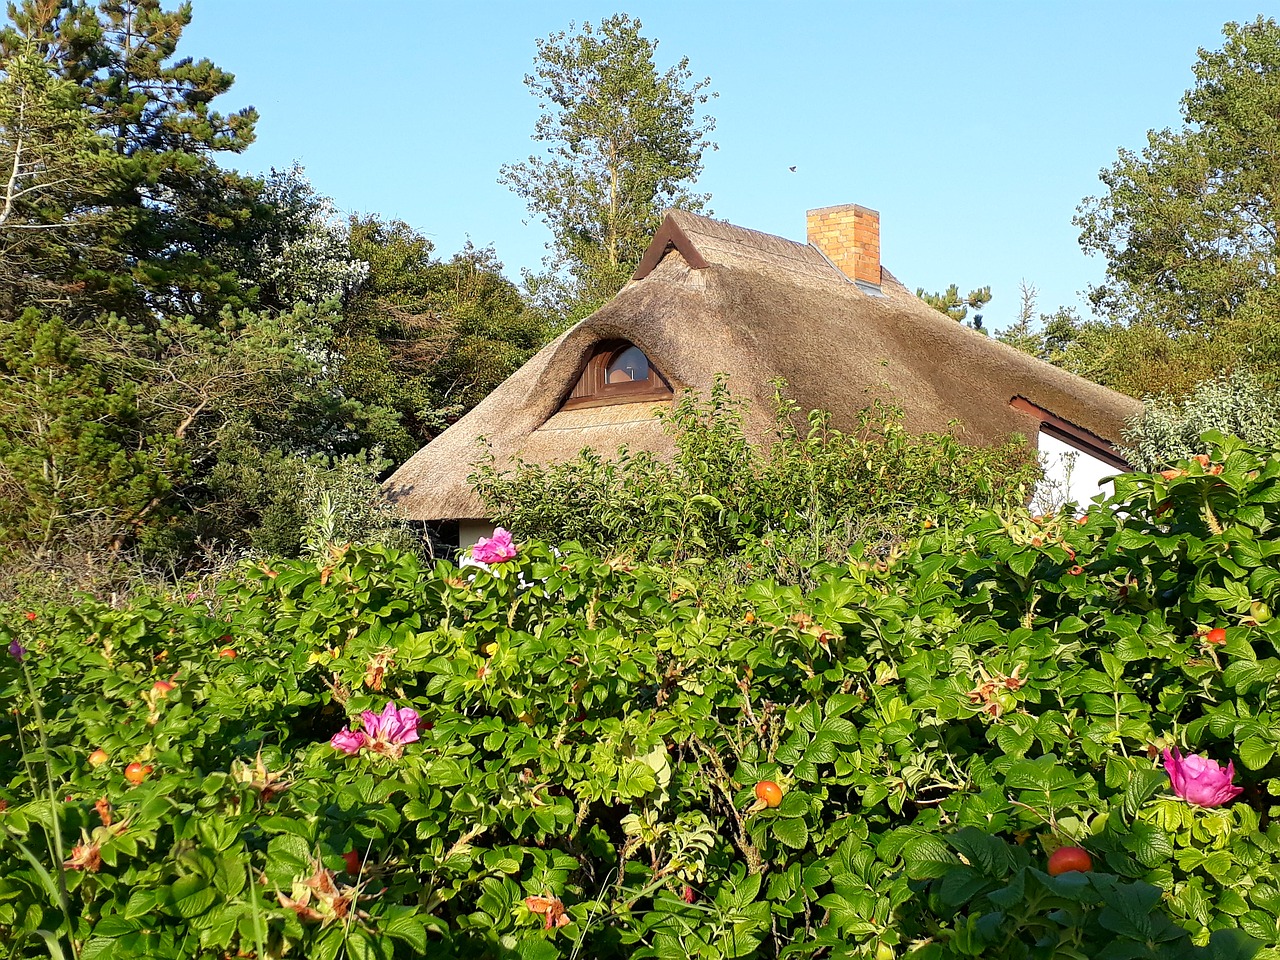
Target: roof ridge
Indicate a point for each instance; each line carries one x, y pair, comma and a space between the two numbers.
704, 241
733, 227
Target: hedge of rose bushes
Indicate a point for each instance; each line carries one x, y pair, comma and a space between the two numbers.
549, 753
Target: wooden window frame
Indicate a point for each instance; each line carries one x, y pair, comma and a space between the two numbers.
592, 390
1068, 432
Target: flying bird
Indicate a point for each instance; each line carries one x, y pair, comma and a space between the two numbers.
792, 169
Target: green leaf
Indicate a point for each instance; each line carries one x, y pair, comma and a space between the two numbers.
839, 730
1130, 539
1232, 945
1023, 562
186, 886
843, 912
407, 927
195, 904
1148, 843
628, 671
1129, 910
1014, 738
794, 804
792, 831
1041, 774
1243, 674
1264, 582
839, 704
288, 856
1140, 786
928, 857
1260, 926
141, 902
984, 852
1267, 897
821, 750
277, 824
328, 946
115, 926
873, 793
529, 948
1255, 753
360, 946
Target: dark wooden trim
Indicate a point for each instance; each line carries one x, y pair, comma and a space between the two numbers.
669, 235
1068, 432
657, 395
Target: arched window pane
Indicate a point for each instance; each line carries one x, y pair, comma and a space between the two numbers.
629, 365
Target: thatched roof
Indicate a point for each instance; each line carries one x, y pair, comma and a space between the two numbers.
713, 298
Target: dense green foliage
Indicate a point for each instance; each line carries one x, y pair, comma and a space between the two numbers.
1186, 225
66, 438
194, 359
48, 219
1171, 429
592, 731
184, 349
168, 214
624, 142
430, 338
810, 494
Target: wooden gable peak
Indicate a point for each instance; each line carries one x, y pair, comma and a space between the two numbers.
669, 237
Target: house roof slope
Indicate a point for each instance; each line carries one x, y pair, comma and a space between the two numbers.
756, 308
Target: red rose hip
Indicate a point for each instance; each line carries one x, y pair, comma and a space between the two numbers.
1069, 859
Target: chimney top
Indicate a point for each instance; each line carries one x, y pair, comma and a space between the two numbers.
848, 235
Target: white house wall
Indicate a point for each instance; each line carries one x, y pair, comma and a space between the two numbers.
1070, 475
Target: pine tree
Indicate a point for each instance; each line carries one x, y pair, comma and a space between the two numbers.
178, 212
957, 307
73, 458
53, 168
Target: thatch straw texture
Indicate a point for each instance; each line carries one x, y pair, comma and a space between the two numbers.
762, 308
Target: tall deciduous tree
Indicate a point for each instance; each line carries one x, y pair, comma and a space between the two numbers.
1190, 226
623, 142
431, 338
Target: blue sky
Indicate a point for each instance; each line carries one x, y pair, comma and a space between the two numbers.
975, 128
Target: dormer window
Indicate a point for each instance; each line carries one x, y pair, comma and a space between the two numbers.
628, 366
617, 372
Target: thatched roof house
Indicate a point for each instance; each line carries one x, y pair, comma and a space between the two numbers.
713, 298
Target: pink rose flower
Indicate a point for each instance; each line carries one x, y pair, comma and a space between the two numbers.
386, 732
496, 549
389, 731
348, 741
1199, 780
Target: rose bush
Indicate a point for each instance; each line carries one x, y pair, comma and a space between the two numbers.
571, 746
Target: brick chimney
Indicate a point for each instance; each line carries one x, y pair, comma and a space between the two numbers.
849, 236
